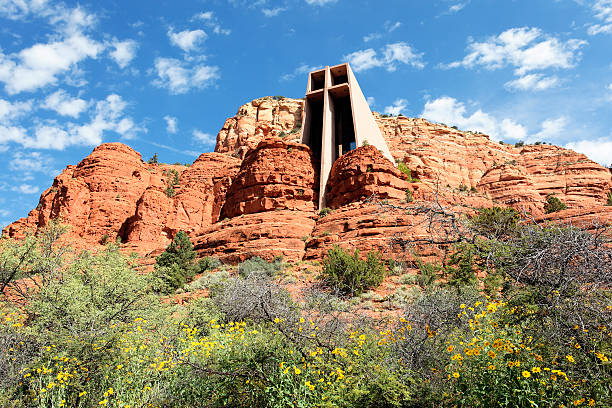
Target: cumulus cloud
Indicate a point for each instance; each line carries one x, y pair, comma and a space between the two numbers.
18, 9
179, 78
210, 20
551, 128
526, 50
533, 82
40, 65
26, 189
64, 104
123, 52
31, 162
107, 115
599, 150
392, 55
303, 69
398, 106
204, 138
10, 111
371, 101
187, 40
171, 124
453, 112
603, 12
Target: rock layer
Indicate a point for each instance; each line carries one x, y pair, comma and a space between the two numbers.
257, 194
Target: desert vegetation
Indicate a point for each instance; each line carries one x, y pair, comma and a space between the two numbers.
517, 315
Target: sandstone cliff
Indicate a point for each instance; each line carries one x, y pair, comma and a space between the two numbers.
257, 194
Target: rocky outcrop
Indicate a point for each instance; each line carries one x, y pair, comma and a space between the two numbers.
276, 175
257, 194
258, 119
113, 194
361, 173
265, 234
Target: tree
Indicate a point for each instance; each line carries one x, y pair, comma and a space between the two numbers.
176, 265
553, 204
153, 160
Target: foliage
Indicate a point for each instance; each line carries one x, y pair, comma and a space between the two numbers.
401, 166
350, 275
259, 266
409, 197
553, 204
176, 265
609, 202
496, 222
173, 181
153, 159
519, 144
208, 263
324, 212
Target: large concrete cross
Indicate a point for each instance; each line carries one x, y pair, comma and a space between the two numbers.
337, 119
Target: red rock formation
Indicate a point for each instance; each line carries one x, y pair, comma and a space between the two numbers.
361, 173
276, 175
265, 234
257, 120
267, 197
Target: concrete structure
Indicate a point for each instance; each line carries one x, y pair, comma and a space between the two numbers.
337, 119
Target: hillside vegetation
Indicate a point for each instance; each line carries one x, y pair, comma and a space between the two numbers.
519, 316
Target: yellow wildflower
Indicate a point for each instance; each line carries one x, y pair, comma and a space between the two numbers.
526, 374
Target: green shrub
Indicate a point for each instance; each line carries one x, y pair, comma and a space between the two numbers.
609, 198
259, 266
153, 159
409, 197
170, 192
429, 273
496, 222
324, 212
553, 204
208, 263
519, 144
176, 265
350, 275
104, 239
463, 187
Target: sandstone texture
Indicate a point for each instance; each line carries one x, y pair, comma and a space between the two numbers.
257, 194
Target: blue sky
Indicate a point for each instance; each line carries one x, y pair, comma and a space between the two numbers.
162, 76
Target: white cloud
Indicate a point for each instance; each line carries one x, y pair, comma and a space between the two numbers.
533, 82
389, 27
372, 36
371, 101
392, 54
123, 52
524, 49
320, 2
209, 19
599, 150
26, 189
454, 113
551, 129
179, 78
41, 64
65, 105
398, 106
603, 12
455, 8
187, 40
18, 9
31, 162
171, 124
273, 12
303, 69
12, 110
204, 138
108, 115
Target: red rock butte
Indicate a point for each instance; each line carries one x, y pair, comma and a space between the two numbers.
258, 193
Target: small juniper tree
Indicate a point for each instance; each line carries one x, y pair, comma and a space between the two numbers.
553, 204
176, 265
